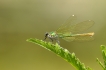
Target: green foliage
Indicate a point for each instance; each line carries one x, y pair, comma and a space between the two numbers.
103, 48
64, 53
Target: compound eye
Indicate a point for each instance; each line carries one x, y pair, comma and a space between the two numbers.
46, 34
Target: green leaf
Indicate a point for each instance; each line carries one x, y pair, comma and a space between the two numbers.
64, 53
104, 54
103, 48
100, 63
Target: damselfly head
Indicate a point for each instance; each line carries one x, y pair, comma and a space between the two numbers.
46, 34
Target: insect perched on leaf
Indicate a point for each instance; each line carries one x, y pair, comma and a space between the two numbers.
69, 31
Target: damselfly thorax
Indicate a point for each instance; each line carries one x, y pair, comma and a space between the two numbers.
52, 35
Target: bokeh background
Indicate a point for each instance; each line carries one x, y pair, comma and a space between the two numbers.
24, 19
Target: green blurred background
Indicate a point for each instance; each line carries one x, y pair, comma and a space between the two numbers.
24, 19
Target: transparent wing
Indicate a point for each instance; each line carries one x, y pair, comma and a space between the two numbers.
70, 26
82, 26
69, 39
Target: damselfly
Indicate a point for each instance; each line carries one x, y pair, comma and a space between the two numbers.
69, 31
